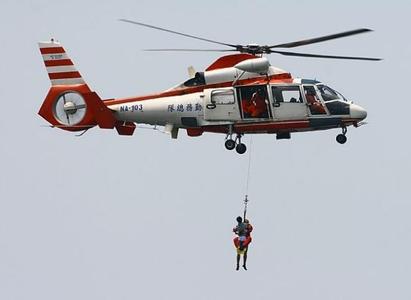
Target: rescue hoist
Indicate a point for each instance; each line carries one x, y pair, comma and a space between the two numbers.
246, 200
238, 242
244, 228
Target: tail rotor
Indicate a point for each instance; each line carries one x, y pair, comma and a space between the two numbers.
70, 108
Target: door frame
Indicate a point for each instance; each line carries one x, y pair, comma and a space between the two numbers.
215, 111
278, 104
268, 105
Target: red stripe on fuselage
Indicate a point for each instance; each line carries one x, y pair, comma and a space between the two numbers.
52, 50
280, 78
272, 126
58, 62
64, 75
263, 127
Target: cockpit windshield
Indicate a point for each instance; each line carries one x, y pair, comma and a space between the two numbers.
328, 94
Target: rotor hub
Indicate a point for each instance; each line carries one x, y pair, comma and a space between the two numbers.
70, 108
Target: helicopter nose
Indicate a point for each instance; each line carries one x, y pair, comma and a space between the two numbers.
357, 112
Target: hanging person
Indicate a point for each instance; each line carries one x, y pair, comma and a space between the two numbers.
248, 239
242, 241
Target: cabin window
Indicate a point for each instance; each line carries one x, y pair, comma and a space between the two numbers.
222, 97
287, 94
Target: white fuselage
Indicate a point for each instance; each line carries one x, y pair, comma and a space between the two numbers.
161, 111
169, 110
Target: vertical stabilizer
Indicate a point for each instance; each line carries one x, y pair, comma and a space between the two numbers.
60, 67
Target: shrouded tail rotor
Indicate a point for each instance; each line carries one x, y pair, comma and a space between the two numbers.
70, 108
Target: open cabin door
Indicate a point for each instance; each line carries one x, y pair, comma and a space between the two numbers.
221, 105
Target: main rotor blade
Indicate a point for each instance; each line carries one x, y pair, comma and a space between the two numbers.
321, 38
324, 56
176, 32
190, 50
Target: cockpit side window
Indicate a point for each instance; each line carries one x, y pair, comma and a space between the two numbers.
314, 103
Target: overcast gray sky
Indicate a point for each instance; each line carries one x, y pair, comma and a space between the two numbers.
146, 217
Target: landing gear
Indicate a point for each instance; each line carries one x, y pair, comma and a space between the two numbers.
230, 144
341, 138
241, 148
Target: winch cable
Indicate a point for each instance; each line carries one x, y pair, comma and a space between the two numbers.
248, 179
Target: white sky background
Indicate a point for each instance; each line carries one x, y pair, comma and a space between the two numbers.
146, 217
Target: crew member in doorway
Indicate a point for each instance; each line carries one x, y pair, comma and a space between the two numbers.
247, 107
259, 104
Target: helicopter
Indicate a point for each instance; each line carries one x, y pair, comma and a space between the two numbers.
239, 93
